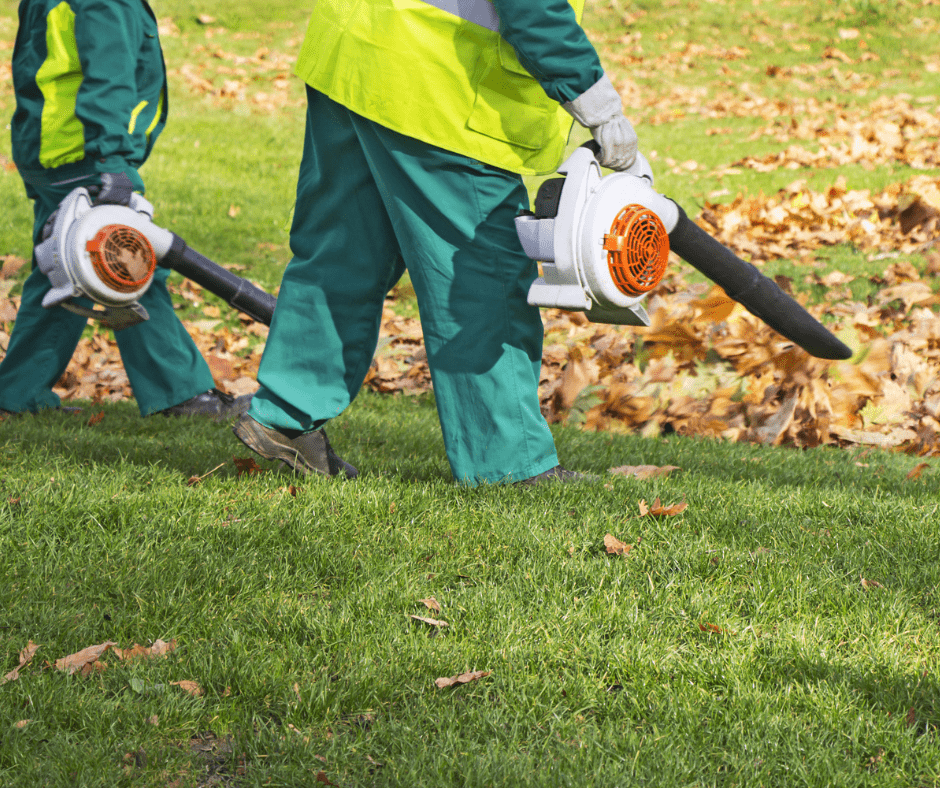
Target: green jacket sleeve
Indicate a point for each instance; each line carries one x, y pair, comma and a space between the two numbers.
116, 95
552, 46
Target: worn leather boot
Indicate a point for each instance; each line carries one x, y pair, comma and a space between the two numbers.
213, 403
304, 452
557, 474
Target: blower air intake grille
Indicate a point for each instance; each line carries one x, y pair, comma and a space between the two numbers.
637, 250
122, 257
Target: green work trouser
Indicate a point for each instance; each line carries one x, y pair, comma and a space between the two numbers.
371, 203
161, 360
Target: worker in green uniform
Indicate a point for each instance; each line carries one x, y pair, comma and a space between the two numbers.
421, 119
91, 100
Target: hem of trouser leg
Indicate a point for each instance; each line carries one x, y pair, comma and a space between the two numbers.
509, 478
280, 427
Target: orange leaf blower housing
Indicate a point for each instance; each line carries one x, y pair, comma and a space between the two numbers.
122, 257
637, 250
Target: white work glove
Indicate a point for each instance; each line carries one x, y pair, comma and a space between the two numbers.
599, 109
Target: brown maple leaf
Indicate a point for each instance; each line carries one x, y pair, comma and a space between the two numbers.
246, 465
615, 546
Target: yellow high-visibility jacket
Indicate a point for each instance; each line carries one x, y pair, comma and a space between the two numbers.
477, 78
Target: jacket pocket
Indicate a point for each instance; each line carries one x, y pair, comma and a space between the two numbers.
512, 107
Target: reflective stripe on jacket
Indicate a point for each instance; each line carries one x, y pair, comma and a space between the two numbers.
90, 87
451, 73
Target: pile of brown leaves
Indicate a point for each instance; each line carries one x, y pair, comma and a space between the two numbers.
705, 366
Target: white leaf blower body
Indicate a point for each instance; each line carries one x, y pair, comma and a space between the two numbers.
107, 253
606, 244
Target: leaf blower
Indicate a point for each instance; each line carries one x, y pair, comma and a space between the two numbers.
109, 253
604, 243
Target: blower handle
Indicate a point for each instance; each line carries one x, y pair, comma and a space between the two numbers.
237, 292
760, 295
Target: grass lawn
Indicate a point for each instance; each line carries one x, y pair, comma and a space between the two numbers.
783, 629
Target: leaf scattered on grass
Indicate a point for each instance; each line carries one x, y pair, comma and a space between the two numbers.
869, 584
189, 687
26, 656
96, 418
85, 661
160, 648
432, 622
615, 546
246, 465
20, 724
658, 509
10, 265
463, 678
322, 778
431, 604
644, 471
714, 629
917, 470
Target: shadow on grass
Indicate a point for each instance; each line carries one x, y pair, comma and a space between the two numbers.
398, 436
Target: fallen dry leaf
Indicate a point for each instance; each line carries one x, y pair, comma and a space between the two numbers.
431, 621
84, 661
160, 648
615, 546
868, 584
644, 471
246, 465
10, 265
26, 656
713, 628
96, 418
917, 470
463, 678
431, 604
20, 724
660, 510
190, 687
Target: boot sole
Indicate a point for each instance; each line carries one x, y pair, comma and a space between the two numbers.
249, 432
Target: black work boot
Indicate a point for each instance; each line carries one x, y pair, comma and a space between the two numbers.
213, 403
304, 452
557, 474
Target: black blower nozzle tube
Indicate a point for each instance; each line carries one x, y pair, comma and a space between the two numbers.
750, 288
237, 292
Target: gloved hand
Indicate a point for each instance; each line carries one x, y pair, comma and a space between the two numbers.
116, 189
599, 108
